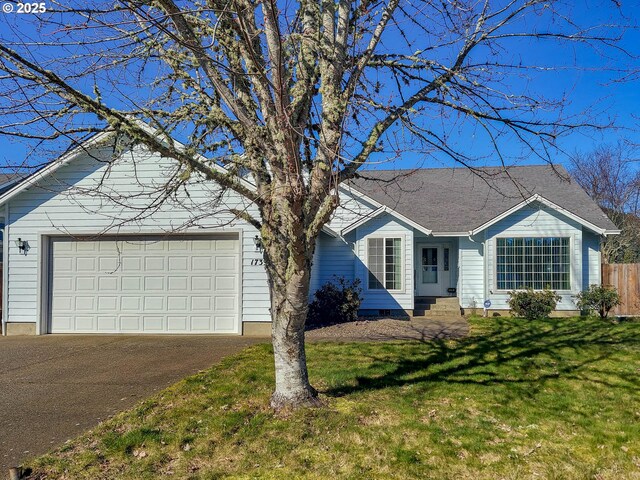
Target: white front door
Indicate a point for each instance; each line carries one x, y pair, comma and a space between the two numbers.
433, 274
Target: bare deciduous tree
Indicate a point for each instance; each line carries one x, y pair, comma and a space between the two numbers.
298, 95
610, 175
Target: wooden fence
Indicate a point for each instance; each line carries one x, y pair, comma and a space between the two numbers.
1, 276
626, 278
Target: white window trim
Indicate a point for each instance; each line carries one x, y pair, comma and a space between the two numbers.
403, 241
572, 274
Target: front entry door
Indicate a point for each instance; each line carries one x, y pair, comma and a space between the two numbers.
434, 277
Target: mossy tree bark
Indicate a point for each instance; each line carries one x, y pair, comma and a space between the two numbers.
282, 103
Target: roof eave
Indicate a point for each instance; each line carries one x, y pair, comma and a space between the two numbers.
381, 209
329, 231
89, 143
450, 234
362, 220
384, 209
53, 166
539, 198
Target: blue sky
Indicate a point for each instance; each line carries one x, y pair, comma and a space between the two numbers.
586, 77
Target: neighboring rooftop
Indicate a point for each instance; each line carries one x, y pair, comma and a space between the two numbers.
7, 180
460, 199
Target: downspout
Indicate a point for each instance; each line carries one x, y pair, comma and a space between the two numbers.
600, 269
485, 284
5, 269
460, 275
486, 274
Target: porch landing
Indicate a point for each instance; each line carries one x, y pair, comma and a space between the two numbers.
436, 308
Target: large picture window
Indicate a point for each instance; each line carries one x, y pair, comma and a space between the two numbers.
384, 256
536, 262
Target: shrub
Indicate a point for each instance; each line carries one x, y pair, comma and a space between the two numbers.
598, 298
337, 301
532, 304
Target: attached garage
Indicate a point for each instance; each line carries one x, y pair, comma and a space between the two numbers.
144, 284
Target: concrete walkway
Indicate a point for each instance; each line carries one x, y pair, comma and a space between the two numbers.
54, 387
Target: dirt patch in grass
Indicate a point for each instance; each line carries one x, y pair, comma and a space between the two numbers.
513, 399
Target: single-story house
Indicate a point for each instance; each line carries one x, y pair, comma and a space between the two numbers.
84, 252
7, 180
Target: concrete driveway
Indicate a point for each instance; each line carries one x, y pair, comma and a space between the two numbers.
54, 387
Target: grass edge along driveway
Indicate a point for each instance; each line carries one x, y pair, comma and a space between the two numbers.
545, 399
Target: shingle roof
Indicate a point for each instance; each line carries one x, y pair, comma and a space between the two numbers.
7, 177
460, 200
7, 180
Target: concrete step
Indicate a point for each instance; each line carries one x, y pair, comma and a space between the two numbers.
440, 308
424, 301
447, 301
421, 313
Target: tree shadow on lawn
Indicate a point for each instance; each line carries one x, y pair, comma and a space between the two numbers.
510, 351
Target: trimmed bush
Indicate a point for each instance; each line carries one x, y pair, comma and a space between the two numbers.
532, 304
337, 301
599, 299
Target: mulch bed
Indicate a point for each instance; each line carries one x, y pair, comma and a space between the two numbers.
367, 329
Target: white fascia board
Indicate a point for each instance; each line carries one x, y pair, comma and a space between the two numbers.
539, 198
450, 234
415, 225
89, 143
379, 211
363, 220
330, 232
55, 165
201, 158
366, 198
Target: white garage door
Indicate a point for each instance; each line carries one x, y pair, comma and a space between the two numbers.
145, 285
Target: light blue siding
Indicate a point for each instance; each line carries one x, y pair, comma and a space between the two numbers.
333, 257
352, 208
64, 203
539, 221
256, 303
471, 272
385, 225
590, 259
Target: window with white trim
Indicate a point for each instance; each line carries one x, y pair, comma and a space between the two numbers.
535, 262
384, 257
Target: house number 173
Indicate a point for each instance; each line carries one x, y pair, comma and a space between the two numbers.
257, 261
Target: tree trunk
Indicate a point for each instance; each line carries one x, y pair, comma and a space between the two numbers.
289, 285
292, 380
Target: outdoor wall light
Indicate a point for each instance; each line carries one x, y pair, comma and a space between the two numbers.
258, 242
23, 245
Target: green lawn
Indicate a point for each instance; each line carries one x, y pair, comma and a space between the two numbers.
547, 399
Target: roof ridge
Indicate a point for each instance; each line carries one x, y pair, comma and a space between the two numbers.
461, 168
